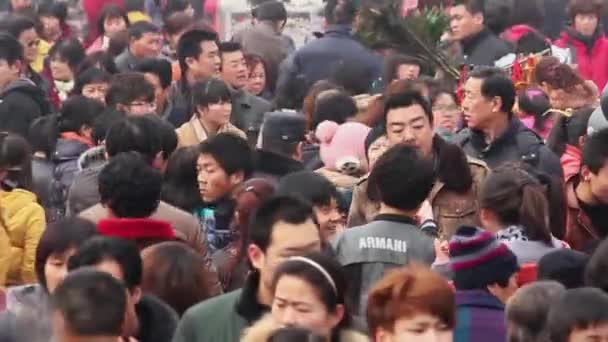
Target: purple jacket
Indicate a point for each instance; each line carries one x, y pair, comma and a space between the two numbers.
480, 317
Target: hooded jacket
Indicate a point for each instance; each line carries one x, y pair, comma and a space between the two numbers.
25, 221
591, 54
21, 102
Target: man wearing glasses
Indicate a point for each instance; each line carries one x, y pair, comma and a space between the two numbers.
131, 93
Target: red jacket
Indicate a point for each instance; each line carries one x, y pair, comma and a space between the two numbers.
592, 60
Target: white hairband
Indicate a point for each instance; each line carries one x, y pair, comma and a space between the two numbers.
319, 268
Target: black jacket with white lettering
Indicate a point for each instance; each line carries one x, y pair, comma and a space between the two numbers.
367, 252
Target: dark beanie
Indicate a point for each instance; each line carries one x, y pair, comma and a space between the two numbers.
478, 259
565, 266
270, 10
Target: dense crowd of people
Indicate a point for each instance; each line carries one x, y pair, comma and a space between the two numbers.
159, 183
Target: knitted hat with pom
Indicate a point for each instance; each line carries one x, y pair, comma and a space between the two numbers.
342, 147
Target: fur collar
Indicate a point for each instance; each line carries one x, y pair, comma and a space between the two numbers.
266, 326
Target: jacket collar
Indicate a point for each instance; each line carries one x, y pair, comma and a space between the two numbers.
478, 298
478, 140
339, 30
589, 42
469, 43
240, 97
395, 218
248, 306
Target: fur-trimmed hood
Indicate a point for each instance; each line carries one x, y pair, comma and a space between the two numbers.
265, 327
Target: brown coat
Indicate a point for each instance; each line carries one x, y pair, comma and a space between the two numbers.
580, 233
450, 209
185, 226
192, 132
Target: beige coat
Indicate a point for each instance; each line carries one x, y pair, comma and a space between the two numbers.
192, 132
263, 329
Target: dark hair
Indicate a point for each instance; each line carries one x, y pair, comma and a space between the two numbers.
472, 6
407, 99
166, 132
597, 266
231, 152
392, 64
535, 102
101, 248
595, 151
180, 186
576, 7
351, 77
159, 67
564, 265
129, 186
295, 334
439, 90
175, 23
134, 5
336, 106
556, 74
496, 84
100, 60
281, 208
528, 308
567, 130
399, 171
140, 28
11, 50
340, 12
308, 186
310, 101
175, 6
111, 11
253, 60
92, 303
189, 45
517, 198
58, 10
103, 123
58, 237
210, 92
576, 309
134, 133
330, 297
228, 47
42, 134
172, 272
90, 76
16, 24
527, 12
15, 158
78, 111
70, 51
128, 87
118, 43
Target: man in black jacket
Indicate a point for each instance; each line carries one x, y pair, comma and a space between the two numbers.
494, 134
479, 46
21, 101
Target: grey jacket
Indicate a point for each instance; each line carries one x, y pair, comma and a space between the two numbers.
367, 252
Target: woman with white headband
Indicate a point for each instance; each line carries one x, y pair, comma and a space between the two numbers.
309, 292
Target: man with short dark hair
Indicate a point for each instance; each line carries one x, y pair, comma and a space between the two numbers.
579, 315
393, 239
316, 60
280, 145
89, 306
144, 42
247, 110
265, 38
158, 73
199, 60
495, 135
147, 319
131, 93
586, 195
21, 101
282, 227
225, 162
130, 191
468, 27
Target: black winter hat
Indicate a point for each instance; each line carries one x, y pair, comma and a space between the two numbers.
565, 266
270, 10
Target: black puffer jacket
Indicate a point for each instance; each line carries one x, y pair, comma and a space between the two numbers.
20, 103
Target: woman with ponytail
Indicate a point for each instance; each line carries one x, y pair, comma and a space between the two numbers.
514, 205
